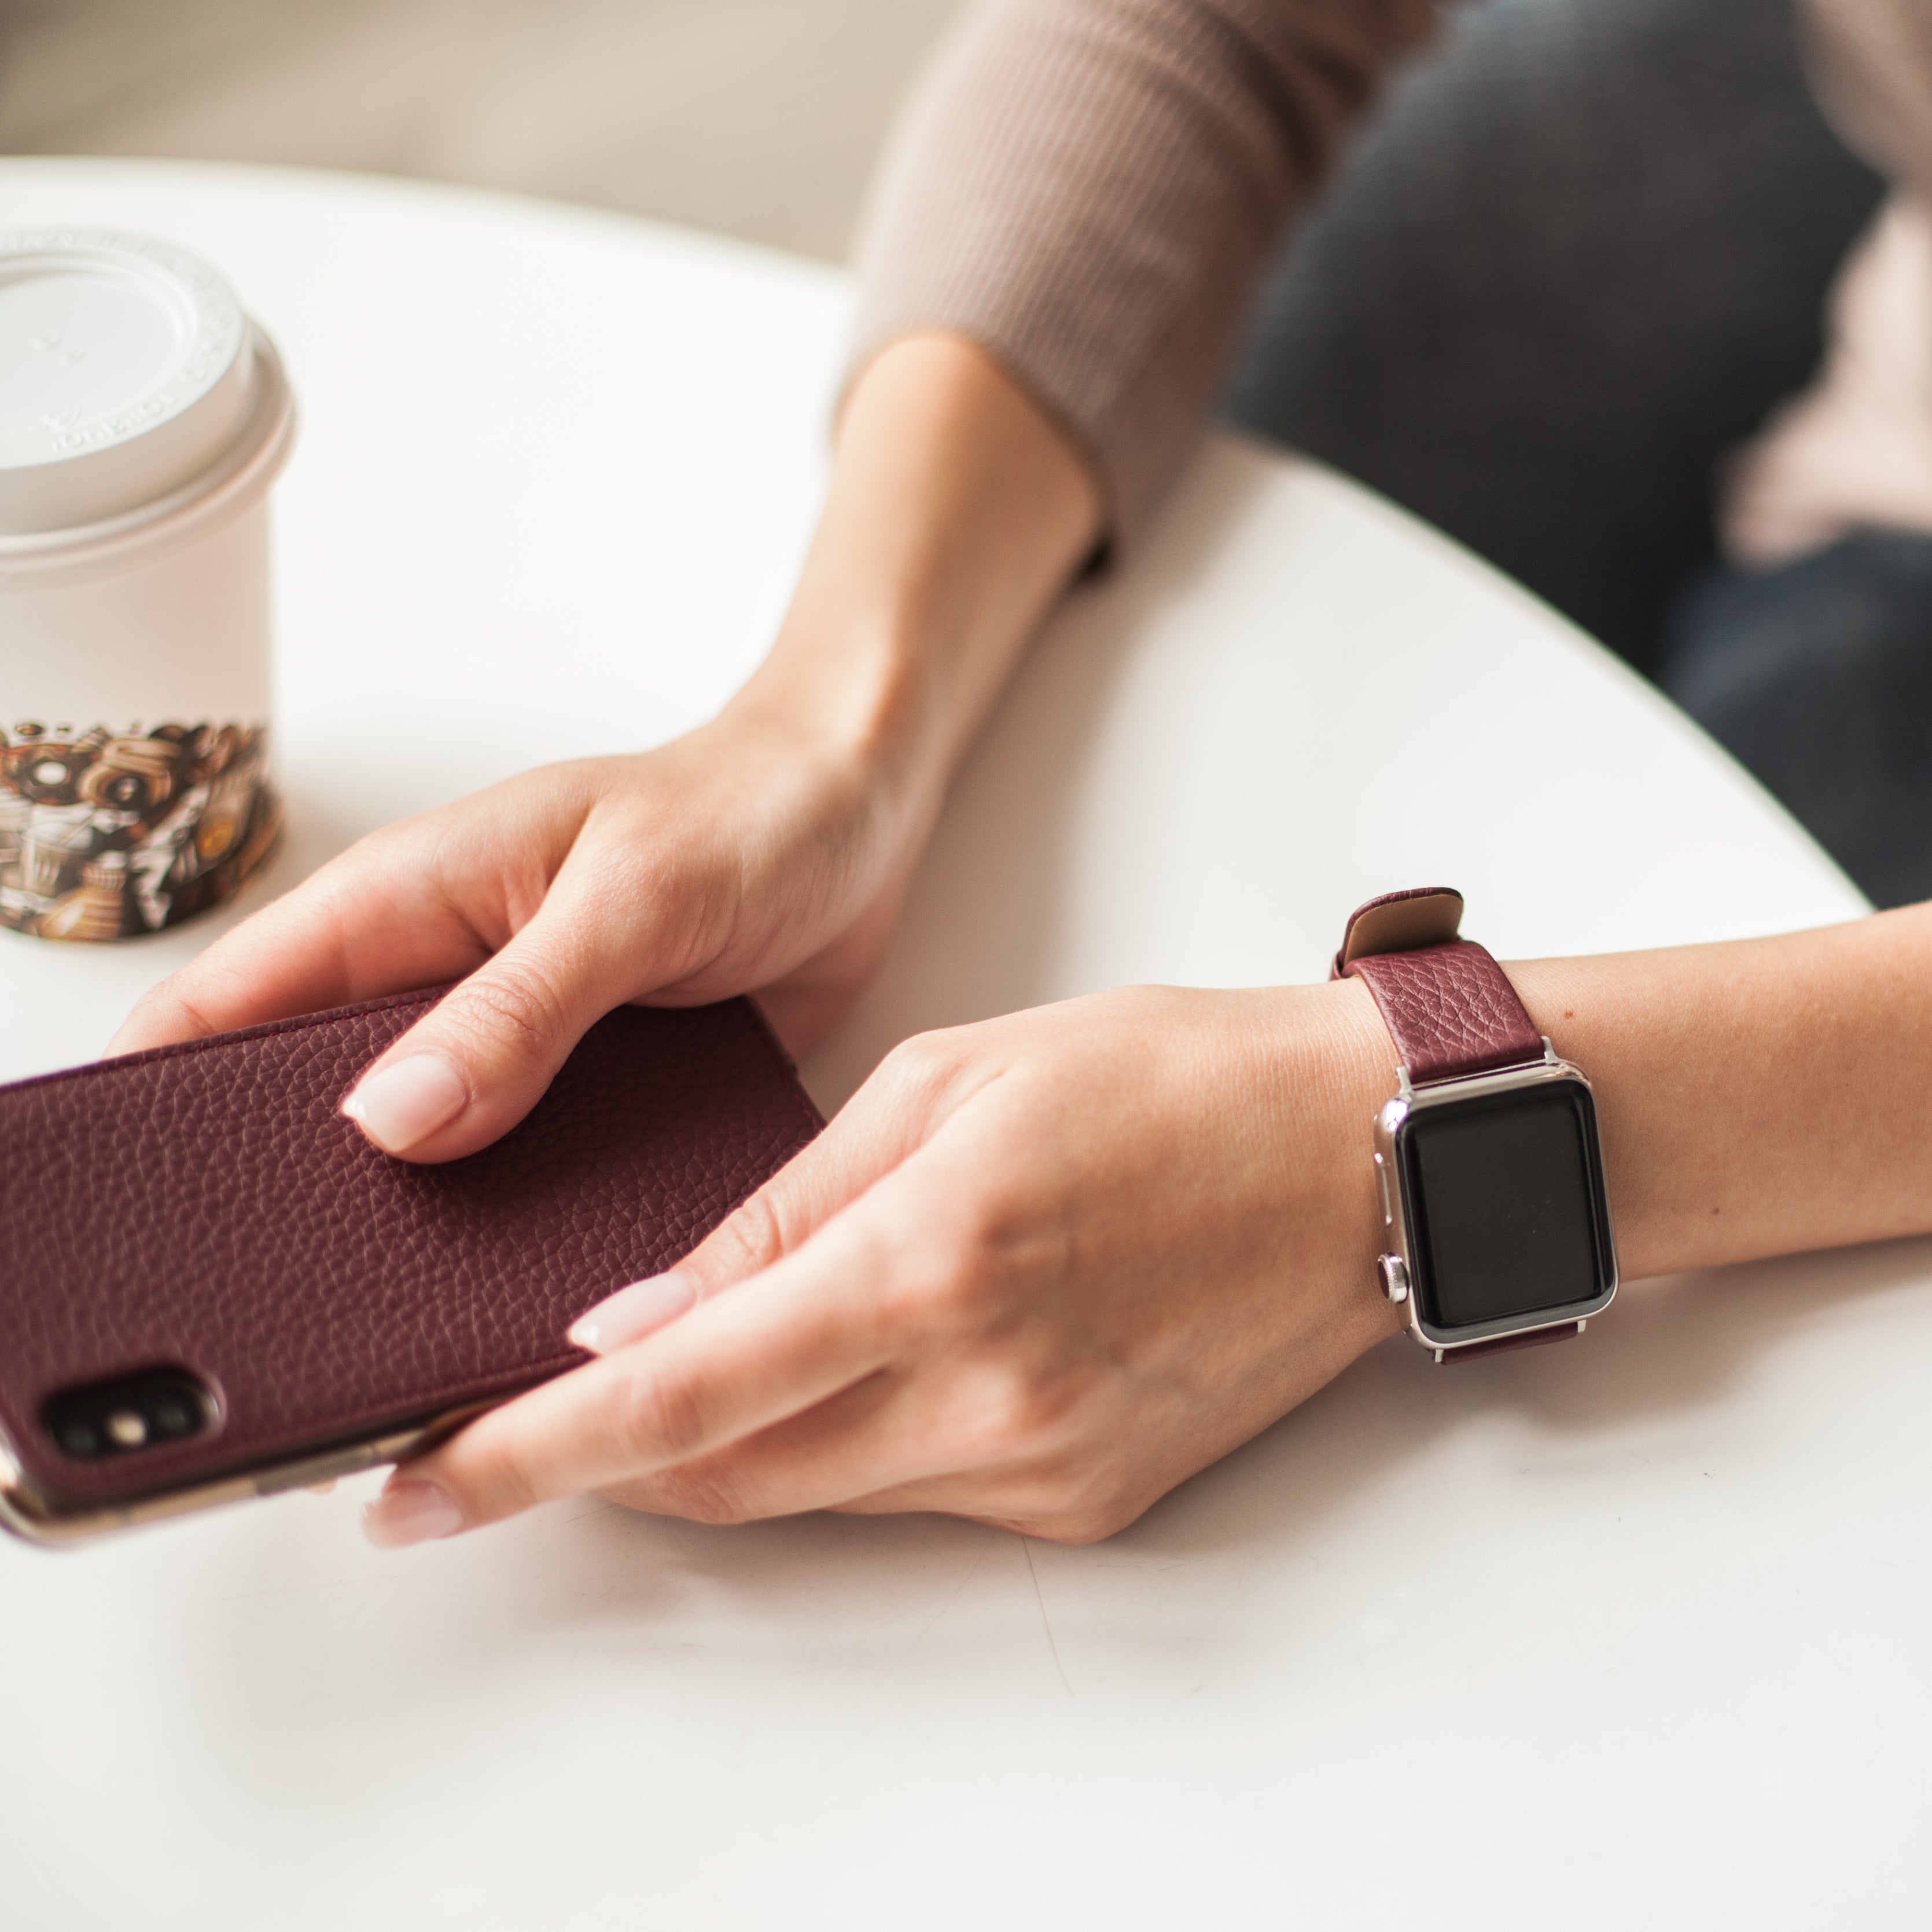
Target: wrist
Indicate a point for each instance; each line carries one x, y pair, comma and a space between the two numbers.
845, 712
957, 513
1331, 1067
858, 684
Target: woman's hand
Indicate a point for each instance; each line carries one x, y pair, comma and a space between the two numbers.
751, 854
1040, 1269
766, 852
1037, 1272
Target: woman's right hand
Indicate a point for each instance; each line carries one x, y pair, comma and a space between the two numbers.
766, 853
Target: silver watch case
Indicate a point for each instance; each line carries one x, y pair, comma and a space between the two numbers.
1396, 1238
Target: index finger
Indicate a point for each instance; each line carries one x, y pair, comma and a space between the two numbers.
805, 1330
363, 926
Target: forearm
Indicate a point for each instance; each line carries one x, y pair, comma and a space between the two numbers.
1091, 188
957, 514
1757, 1098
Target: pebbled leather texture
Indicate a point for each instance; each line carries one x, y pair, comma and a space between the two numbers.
1449, 1009
205, 1206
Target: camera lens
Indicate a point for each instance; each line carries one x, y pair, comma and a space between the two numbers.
171, 1415
80, 1438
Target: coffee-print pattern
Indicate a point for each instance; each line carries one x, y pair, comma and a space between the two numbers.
106, 835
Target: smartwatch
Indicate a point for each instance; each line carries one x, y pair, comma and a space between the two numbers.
1495, 1228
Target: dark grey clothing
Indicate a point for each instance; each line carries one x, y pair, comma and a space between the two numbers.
1580, 253
1819, 676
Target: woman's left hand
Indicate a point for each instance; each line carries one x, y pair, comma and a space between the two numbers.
1037, 1272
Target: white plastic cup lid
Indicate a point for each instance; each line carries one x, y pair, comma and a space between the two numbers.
125, 370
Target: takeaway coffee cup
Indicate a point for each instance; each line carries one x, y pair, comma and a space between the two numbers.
143, 416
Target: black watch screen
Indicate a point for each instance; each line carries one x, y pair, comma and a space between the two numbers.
1503, 1194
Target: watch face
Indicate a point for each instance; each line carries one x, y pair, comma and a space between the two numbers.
1505, 1197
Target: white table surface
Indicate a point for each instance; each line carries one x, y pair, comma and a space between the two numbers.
1628, 1632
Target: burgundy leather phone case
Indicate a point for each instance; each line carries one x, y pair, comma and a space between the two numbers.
206, 1208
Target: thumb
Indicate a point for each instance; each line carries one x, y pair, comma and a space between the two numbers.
472, 1068
881, 1127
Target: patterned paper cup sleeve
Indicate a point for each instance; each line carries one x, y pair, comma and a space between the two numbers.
107, 836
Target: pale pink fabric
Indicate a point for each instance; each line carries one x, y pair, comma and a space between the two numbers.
1854, 450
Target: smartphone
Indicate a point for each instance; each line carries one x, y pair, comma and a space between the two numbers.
212, 1286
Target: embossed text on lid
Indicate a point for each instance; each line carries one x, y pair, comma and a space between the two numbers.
125, 370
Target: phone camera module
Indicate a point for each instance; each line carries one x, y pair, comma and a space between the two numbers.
130, 1413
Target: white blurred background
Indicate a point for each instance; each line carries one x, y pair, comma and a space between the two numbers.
754, 117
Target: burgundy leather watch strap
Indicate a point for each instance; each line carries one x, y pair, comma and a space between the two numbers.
1450, 1010
1449, 1007
1506, 1345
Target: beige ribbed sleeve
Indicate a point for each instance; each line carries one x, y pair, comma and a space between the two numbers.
1089, 189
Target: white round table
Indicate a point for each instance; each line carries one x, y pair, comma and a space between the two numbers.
1626, 1633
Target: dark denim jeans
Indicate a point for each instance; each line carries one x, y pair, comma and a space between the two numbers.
1580, 253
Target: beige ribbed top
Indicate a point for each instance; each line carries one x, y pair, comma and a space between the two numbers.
1090, 188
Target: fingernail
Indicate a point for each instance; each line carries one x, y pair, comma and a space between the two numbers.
406, 1102
406, 1512
634, 1312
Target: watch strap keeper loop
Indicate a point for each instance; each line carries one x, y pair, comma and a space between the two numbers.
1449, 1007
1399, 922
